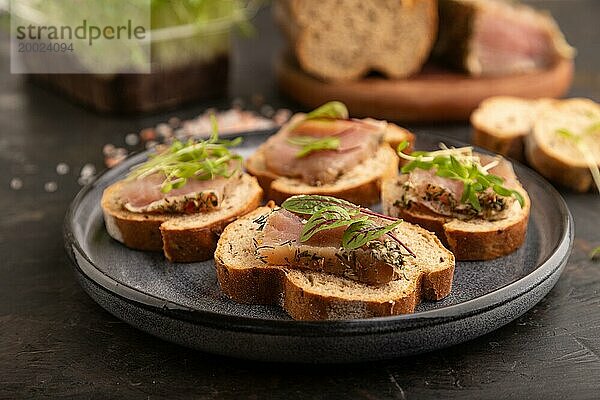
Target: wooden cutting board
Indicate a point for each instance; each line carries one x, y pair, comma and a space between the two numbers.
433, 95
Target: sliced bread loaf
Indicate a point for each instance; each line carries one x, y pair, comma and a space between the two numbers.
336, 40
310, 295
183, 238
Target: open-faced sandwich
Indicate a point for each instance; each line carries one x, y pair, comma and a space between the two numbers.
180, 200
325, 152
321, 257
473, 202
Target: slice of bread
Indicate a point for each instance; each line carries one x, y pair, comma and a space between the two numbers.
182, 238
474, 239
360, 185
501, 123
308, 295
558, 158
338, 41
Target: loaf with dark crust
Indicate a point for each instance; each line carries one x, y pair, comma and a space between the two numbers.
344, 40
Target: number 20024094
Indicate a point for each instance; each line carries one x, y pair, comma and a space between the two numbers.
42, 47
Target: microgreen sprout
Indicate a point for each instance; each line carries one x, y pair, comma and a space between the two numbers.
462, 165
202, 160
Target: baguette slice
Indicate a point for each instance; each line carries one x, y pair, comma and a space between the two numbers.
309, 295
360, 185
475, 239
500, 124
182, 238
558, 158
339, 41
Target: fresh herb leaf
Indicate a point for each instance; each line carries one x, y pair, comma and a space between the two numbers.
309, 204
202, 160
402, 146
326, 213
309, 144
595, 254
360, 233
332, 109
460, 164
328, 218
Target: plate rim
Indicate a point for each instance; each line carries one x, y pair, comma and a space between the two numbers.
543, 271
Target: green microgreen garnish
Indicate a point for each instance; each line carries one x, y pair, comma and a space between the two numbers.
360, 233
202, 160
309, 144
583, 149
331, 110
595, 254
459, 164
328, 212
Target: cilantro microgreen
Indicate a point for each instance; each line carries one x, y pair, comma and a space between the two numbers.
460, 164
202, 160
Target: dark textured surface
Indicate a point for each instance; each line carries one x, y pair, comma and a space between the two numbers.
56, 342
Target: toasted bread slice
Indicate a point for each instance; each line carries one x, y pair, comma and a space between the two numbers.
392, 37
501, 123
474, 239
183, 238
559, 158
309, 295
360, 185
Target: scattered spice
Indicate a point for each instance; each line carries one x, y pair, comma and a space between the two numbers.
132, 139
62, 168
16, 183
50, 187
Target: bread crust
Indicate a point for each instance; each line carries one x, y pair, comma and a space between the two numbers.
576, 178
299, 25
364, 191
467, 240
264, 284
180, 240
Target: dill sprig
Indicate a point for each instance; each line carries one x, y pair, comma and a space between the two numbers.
201, 160
328, 212
460, 164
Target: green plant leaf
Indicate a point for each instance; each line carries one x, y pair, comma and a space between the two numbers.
332, 109
310, 204
309, 144
360, 233
327, 218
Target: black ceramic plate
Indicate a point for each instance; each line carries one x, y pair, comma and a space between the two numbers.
182, 303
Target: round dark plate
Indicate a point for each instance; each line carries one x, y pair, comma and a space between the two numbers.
182, 303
